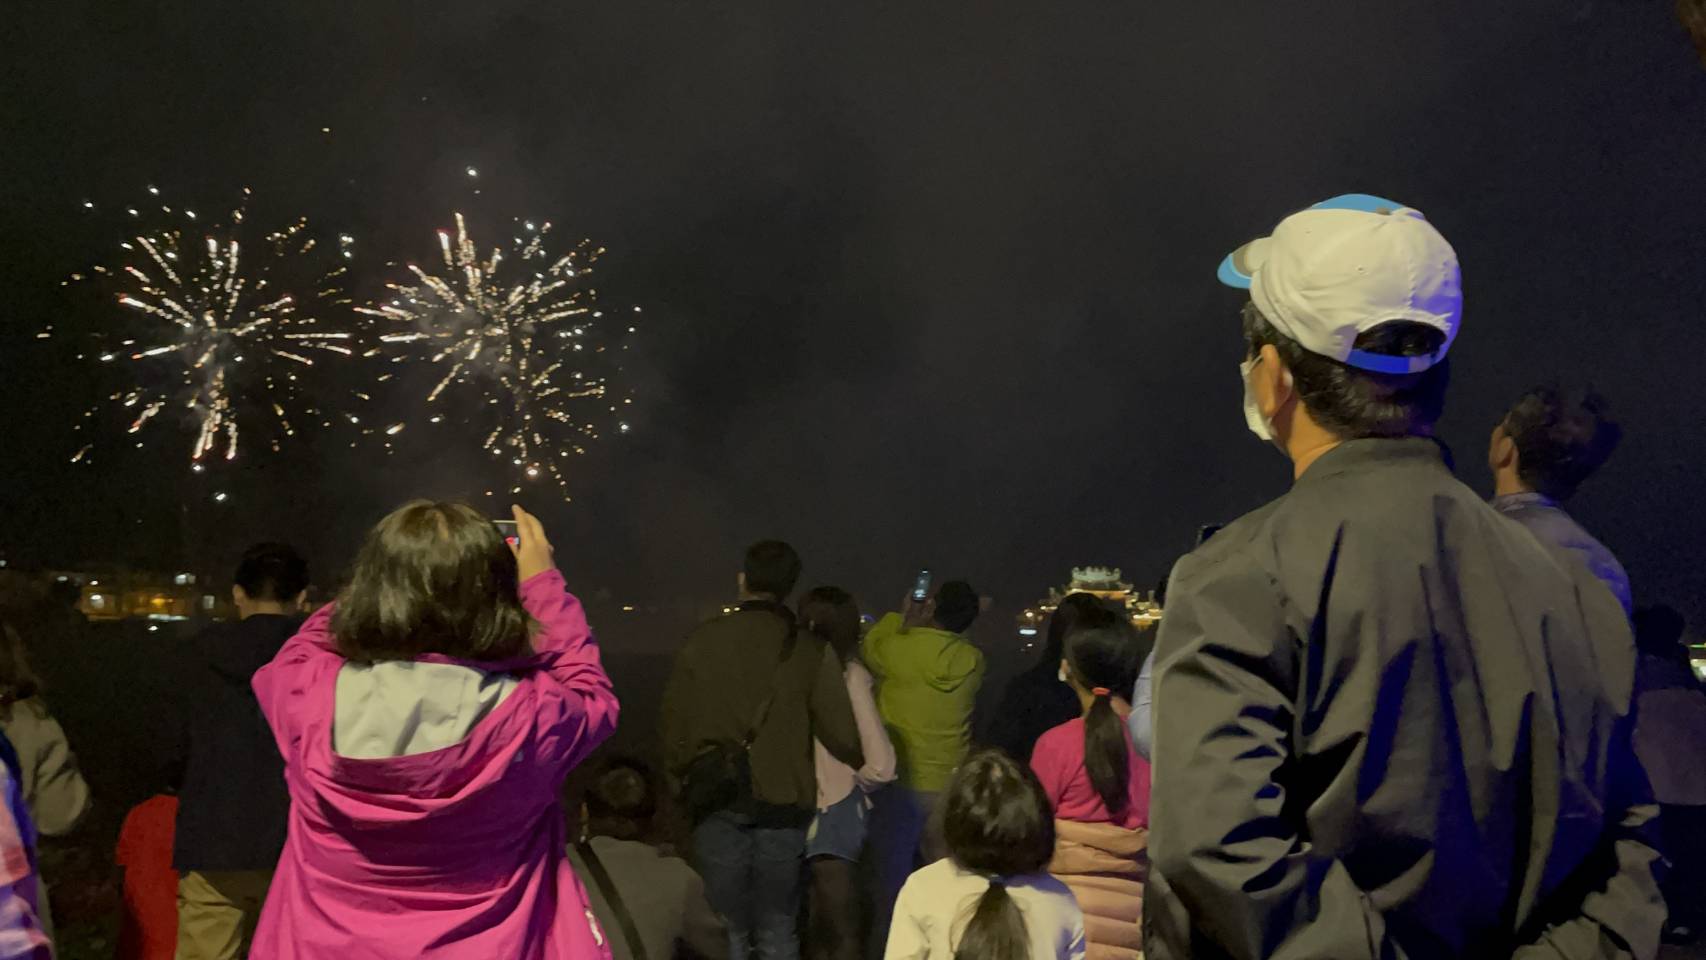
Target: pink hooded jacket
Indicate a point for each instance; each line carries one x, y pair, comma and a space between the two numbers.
455, 854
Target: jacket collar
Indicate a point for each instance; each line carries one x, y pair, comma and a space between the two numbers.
1511, 501
1376, 453
769, 606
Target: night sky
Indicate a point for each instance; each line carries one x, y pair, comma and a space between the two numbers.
923, 283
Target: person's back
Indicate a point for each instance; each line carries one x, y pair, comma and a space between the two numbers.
427, 722
1460, 703
148, 929
749, 692
928, 679
665, 897
989, 898
632, 884
1098, 789
1388, 721
1552, 439
233, 806
23, 931
1037, 700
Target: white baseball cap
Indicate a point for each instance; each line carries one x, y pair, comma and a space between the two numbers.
1346, 266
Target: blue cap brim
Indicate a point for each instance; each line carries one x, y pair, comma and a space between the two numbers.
1230, 275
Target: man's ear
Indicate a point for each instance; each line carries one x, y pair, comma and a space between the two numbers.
239, 596
301, 601
1272, 382
1504, 450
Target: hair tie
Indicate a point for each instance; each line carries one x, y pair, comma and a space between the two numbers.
1101, 692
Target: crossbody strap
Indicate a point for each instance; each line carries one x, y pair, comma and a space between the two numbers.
775, 687
624, 919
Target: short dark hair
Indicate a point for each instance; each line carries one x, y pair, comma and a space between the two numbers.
622, 801
957, 606
433, 577
1353, 403
771, 567
272, 571
831, 613
1563, 433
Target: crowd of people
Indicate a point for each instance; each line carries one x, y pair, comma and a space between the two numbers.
1382, 716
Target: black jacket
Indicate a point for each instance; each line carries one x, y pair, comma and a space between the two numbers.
721, 677
1390, 723
233, 807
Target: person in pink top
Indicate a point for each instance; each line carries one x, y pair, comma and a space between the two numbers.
427, 721
837, 835
1098, 786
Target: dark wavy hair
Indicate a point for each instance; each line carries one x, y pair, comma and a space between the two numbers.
1072, 609
1563, 434
433, 577
831, 613
1353, 403
996, 822
1100, 655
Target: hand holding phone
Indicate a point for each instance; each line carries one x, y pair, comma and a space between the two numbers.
921, 586
532, 550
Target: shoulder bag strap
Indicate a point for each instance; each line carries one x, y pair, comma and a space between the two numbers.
775, 686
624, 919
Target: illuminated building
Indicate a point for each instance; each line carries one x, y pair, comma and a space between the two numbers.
117, 594
1101, 582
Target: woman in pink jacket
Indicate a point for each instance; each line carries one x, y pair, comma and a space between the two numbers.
1099, 788
427, 722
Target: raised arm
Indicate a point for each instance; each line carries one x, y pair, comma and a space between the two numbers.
569, 660
578, 710
282, 685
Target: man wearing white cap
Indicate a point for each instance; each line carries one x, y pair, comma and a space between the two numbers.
1388, 723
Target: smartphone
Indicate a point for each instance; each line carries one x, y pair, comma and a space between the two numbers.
509, 531
921, 586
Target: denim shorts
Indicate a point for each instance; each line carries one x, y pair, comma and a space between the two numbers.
839, 830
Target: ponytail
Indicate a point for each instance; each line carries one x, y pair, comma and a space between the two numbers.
996, 930
1107, 757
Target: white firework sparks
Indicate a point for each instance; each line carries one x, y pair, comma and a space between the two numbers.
528, 347
215, 336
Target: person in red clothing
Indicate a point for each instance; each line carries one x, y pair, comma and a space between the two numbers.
1098, 786
150, 925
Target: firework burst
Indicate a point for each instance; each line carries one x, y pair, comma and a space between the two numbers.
528, 345
214, 336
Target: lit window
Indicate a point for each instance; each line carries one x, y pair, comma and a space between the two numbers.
207, 601
184, 579
97, 602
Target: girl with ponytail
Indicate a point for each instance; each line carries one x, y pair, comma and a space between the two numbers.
1098, 787
990, 899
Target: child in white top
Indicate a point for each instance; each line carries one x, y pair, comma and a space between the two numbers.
992, 899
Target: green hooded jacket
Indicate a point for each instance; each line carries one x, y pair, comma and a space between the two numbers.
927, 684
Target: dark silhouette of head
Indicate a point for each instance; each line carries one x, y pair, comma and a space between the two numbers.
1555, 437
957, 606
831, 613
771, 570
622, 801
433, 577
1073, 608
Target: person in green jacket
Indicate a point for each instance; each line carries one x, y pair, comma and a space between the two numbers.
928, 676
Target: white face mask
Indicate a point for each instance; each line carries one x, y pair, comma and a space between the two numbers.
1253, 418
